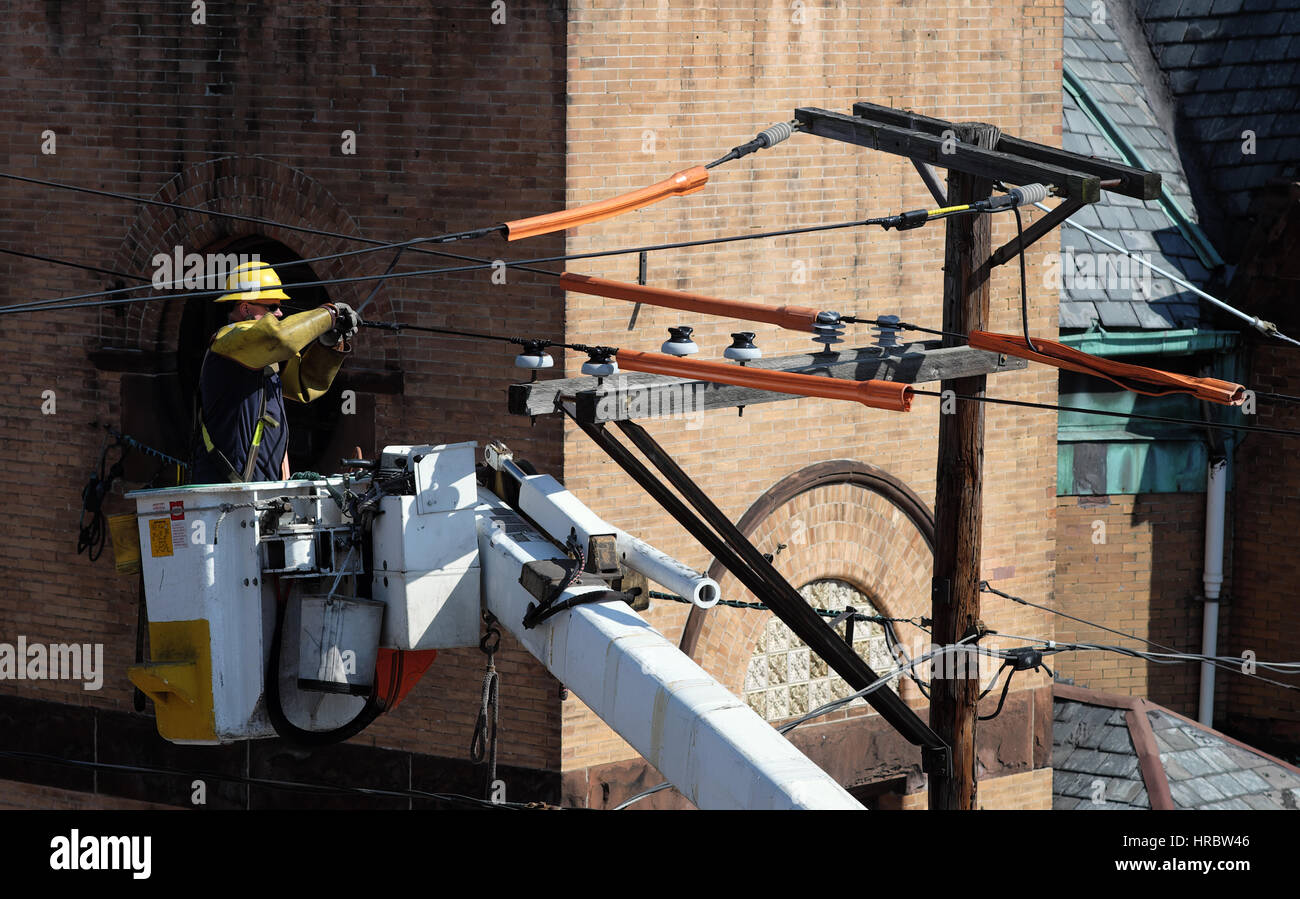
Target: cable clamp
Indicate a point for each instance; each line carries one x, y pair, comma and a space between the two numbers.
906, 221
1024, 658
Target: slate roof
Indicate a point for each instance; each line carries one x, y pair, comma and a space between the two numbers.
1093, 755
1232, 66
1206, 771
1133, 754
1094, 54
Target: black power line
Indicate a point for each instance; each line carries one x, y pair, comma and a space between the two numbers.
1158, 418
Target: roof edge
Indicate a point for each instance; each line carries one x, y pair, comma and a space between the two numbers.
1144, 740
1140, 732
1094, 697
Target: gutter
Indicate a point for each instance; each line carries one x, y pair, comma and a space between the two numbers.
1099, 342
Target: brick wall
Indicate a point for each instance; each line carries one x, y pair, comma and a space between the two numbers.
1134, 563
733, 70
458, 122
15, 795
1029, 790
461, 122
1264, 617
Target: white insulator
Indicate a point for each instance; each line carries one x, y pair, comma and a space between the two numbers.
680, 343
600, 369
534, 360
1029, 193
742, 348
777, 133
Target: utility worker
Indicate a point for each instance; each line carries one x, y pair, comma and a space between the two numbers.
252, 365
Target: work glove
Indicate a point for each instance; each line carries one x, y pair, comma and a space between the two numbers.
346, 322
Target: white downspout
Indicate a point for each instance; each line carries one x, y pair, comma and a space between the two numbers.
1216, 490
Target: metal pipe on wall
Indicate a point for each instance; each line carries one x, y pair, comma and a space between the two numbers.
1216, 490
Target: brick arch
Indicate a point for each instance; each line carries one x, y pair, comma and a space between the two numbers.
244, 185
842, 520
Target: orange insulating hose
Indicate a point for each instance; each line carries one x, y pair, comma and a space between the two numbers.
1137, 378
876, 394
795, 318
687, 181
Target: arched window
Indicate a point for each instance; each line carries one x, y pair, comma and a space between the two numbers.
785, 678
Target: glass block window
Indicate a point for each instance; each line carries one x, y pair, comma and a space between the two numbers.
785, 679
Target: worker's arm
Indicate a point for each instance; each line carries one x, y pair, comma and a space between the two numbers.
257, 344
307, 377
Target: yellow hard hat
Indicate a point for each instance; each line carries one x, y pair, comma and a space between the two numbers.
255, 282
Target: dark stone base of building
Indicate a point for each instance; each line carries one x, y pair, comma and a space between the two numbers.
119, 754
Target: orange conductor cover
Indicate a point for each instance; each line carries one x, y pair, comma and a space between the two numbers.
876, 394
795, 318
687, 181
1137, 378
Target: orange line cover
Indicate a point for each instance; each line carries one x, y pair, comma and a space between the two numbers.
687, 181
795, 318
876, 394
1137, 378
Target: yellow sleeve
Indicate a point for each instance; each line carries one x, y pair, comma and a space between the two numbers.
307, 377
257, 344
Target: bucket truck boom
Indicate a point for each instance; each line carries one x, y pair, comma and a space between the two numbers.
268, 602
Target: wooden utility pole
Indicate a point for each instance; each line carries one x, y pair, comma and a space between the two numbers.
958, 500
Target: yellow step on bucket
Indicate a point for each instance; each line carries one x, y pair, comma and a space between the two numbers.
126, 542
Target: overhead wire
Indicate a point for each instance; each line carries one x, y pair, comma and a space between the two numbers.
768, 137
17, 308
1268, 329
1174, 658
1024, 289
1284, 432
918, 622
1171, 651
680, 184
534, 225
89, 268
902, 220
388, 273
73, 302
